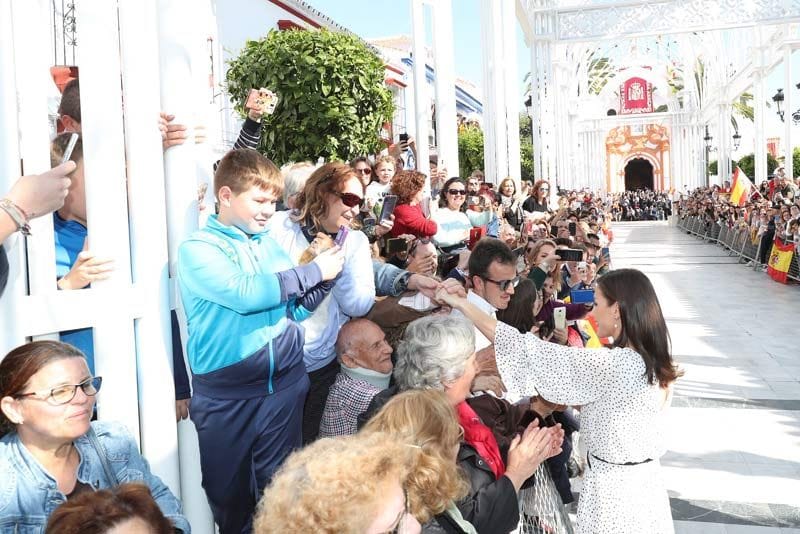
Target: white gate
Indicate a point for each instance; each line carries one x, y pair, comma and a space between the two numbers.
136, 57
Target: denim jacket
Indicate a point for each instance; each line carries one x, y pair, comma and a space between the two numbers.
28, 494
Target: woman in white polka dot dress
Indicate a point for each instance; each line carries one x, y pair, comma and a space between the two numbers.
622, 393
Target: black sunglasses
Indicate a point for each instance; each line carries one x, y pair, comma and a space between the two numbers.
366, 171
503, 284
351, 200
456, 192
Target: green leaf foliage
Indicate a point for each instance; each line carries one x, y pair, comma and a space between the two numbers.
525, 147
748, 165
332, 98
470, 150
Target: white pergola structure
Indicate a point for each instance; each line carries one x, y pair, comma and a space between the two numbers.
720, 49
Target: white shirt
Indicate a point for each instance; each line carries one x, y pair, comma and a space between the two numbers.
481, 342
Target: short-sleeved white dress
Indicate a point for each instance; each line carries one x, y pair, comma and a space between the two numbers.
621, 421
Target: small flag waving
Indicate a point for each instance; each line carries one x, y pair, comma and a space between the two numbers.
742, 186
779, 260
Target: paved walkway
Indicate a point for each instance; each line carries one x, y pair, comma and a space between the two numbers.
733, 464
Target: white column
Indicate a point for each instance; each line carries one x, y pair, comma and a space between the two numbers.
724, 141
421, 99
11, 333
106, 203
790, 108
536, 110
446, 127
494, 90
140, 81
511, 83
178, 43
32, 60
760, 134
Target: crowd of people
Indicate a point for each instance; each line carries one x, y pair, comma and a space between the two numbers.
768, 213
372, 348
641, 205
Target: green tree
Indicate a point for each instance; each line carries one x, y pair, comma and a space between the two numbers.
525, 147
748, 165
713, 167
332, 99
796, 161
470, 149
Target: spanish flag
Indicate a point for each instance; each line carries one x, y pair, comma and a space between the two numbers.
779, 260
740, 191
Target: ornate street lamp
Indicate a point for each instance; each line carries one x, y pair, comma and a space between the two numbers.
737, 139
778, 99
529, 104
708, 138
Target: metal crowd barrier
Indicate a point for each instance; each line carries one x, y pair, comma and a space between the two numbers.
738, 241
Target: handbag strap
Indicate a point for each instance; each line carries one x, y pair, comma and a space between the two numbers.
98, 448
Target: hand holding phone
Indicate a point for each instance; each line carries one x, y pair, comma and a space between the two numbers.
262, 101
389, 203
560, 318
73, 139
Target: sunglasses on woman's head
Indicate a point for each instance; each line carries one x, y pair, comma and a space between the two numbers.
351, 200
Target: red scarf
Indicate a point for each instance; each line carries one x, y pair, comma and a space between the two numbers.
480, 437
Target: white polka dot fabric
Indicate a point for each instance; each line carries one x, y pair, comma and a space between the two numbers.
621, 421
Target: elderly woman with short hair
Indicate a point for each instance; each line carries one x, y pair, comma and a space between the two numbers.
438, 352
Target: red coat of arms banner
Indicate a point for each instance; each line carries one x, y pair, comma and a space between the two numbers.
635, 96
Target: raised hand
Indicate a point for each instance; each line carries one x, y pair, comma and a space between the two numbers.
88, 268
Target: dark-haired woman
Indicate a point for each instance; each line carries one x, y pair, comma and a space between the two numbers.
453, 224
510, 203
51, 452
622, 391
537, 202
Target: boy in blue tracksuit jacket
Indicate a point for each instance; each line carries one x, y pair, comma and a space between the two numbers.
243, 299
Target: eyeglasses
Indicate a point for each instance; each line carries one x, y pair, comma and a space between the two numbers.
457, 192
503, 284
64, 394
366, 171
351, 200
544, 189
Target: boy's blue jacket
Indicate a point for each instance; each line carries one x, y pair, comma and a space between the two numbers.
242, 297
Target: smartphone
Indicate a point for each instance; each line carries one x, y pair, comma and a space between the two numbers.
560, 318
573, 229
262, 99
569, 254
341, 236
404, 138
73, 139
395, 245
605, 251
389, 203
475, 235
581, 296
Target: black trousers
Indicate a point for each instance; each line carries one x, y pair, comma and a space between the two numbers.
321, 381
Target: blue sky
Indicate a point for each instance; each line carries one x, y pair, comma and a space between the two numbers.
382, 18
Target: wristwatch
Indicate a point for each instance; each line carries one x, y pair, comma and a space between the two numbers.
401, 283
17, 215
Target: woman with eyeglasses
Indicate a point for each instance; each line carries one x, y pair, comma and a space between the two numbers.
452, 221
537, 202
330, 200
50, 450
363, 169
409, 219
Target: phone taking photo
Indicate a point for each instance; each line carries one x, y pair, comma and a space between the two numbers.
389, 203
73, 140
341, 236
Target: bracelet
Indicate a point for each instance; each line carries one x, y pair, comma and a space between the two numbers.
17, 215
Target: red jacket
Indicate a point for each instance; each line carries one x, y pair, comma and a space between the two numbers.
409, 219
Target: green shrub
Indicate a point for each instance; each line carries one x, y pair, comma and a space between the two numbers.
332, 98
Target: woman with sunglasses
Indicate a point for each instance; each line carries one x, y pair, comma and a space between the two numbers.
537, 202
363, 169
451, 219
409, 218
50, 450
330, 200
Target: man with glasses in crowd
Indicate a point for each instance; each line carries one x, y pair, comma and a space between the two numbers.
492, 278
